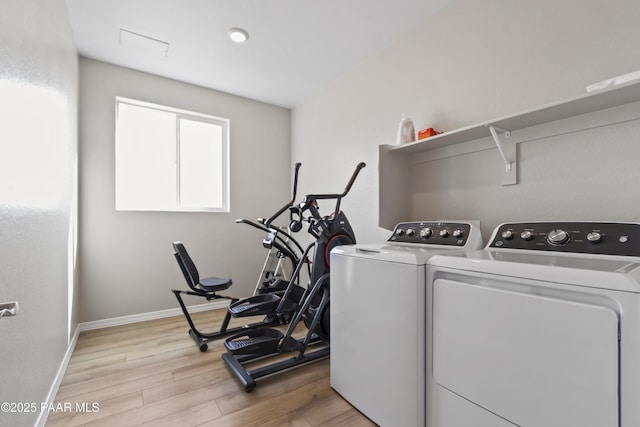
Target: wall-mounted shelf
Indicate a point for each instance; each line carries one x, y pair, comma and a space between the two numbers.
619, 95
394, 160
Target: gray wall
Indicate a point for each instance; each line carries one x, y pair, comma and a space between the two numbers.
38, 150
127, 260
471, 62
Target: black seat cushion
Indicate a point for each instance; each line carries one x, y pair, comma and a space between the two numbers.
214, 284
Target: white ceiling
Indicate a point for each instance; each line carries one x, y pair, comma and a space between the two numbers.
296, 47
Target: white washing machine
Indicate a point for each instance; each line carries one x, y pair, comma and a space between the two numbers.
539, 329
378, 318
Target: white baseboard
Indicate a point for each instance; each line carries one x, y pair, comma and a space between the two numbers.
116, 321
53, 391
135, 318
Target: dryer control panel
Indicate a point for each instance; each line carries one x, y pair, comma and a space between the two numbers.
602, 238
431, 233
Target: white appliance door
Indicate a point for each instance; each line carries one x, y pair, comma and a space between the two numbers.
377, 338
533, 360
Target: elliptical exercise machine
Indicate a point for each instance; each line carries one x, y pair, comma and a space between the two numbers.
309, 305
272, 282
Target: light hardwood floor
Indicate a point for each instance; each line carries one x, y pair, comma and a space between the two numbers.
152, 373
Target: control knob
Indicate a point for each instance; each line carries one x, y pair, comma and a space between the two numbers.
425, 233
444, 232
507, 235
400, 232
594, 237
410, 232
457, 233
526, 235
557, 237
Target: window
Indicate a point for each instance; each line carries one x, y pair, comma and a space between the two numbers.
170, 160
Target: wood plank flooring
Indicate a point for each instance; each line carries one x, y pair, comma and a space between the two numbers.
152, 373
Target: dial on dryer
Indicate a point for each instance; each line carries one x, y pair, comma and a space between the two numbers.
557, 237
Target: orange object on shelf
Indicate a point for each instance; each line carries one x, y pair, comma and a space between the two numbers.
426, 133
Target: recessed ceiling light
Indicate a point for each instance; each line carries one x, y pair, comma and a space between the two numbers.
238, 35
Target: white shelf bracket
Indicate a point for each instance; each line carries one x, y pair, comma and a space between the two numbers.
508, 154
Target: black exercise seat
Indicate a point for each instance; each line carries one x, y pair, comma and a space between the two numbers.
214, 284
190, 272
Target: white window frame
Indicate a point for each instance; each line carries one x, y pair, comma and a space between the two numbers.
193, 116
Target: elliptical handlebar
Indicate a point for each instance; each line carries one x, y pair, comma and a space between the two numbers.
310, 198
308, 203
359, 167
293, 199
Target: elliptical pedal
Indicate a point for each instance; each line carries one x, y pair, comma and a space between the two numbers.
258, 304
255, 342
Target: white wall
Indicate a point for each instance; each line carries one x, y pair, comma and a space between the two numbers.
470, 62
127, 260
38, 150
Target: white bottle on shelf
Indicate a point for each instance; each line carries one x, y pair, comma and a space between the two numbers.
406, 131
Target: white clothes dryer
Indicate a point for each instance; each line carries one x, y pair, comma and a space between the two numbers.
539, 329
378, 318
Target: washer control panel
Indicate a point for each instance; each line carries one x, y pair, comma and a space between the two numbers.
431, 233
603, 238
